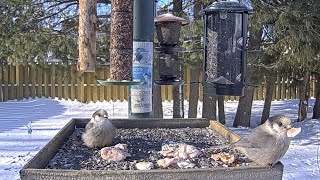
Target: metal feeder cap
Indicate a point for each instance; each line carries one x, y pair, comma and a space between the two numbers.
163, 18
226, 6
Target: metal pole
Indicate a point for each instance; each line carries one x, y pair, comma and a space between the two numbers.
140, 97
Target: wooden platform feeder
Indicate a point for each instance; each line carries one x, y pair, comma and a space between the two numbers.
35, 168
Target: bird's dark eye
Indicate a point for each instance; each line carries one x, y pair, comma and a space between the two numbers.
280, 123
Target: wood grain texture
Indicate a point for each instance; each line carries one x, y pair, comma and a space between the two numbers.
35, 168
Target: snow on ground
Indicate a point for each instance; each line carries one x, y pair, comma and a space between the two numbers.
48, 116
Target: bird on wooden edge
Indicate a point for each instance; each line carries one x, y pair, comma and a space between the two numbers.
267, 143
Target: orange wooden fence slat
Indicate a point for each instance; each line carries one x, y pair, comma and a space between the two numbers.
59, 77
33, 81
73, 82
26, 81
21, 81
101, 87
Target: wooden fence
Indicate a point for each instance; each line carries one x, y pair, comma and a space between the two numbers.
59, 81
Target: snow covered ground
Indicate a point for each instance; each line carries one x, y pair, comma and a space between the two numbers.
48, 116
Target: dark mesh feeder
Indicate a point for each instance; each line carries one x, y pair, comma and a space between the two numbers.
168, 29
168, 33
225, 48
168, 68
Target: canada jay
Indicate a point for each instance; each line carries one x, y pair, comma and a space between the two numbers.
99, 132
268, 143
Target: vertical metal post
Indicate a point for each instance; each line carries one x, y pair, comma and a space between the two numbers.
140, 97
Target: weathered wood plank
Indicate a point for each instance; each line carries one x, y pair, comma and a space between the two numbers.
12, 79
108, 88
6, 69
66, 83
41, 159
60, 75
101, 88
46, 80
73, 75
40, 82
95, 88
35, 168
224, 132
53, 81
19, 81
33, 72
26, 81
88, 88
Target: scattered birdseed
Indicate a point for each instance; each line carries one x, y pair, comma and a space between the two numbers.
144, 146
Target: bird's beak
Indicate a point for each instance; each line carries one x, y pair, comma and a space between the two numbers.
288, 127
105, 116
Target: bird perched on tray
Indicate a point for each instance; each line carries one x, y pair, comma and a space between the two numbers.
268, 143
99, 131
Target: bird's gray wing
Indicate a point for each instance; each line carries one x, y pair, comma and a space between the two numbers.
256, 139
89, 126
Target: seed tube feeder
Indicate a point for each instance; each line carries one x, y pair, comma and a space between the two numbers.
121, 45
168, 32
225, 37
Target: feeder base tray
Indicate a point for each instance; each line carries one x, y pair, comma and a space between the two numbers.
169, 82
120, 83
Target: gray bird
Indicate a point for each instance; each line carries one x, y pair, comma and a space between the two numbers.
99, 132
268, 143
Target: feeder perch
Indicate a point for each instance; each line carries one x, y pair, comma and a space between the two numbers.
225, 36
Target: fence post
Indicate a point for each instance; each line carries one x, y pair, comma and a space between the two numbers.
5, 69
109, 88
53, 81
101, 88
19, 81
73, 74
59, 75
66, 81
95, 87
26, 81
33, 81
40, 82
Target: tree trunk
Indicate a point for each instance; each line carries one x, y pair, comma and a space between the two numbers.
243, 114
177, 7
194, 79
222, 116
177, 95
316, 108
177, 91
209, 107
270, 83
157, 99
194, 93
304, 97
87, 35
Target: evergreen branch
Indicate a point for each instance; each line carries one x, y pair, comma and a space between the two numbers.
60, 10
